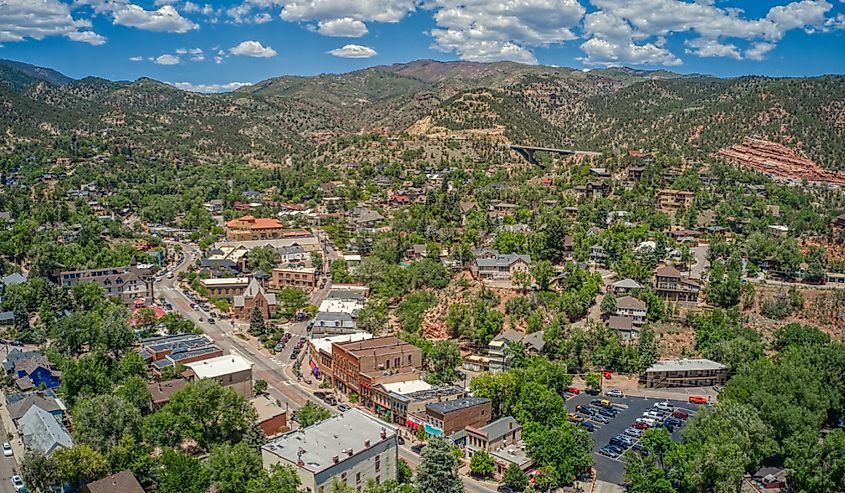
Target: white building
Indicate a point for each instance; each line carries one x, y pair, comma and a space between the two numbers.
351, 447
230, 370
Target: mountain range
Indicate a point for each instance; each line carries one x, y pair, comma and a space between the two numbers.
610, 109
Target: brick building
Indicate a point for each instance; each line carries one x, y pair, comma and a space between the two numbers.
225, 288
294, 277
254, 296
447, 417
357, 366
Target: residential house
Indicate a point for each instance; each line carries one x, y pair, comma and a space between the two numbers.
501, 267
122, 482
600, 172
160, 392
624, 326
503, 440
568, 247
499, 210
689, 236
272, 419
42, 432
778, 230
46, 400
231, 371
593, 189
635, 173
304, 278
673, 200
32, 370
685, 373
365, 220
447, 417
327, 324
670, 285
351, 447
214, 206
127, 283
625, 286
628, 306
598, 256
293, 254
254, 296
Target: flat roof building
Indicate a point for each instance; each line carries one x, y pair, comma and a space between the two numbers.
350, 447
685, 373
230, 370
447, 417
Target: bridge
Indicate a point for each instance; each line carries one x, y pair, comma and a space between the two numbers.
527, 152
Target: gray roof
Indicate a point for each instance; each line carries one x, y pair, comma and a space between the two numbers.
499, 428
455, 405
292, 249
502, 260
16, 355
13, 279
627, 284
318, 444
685, 365
536, 340
333, 319
251, 291
42, 431
620, 322
631, 303
21, 407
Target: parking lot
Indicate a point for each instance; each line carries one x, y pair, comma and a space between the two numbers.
629, 408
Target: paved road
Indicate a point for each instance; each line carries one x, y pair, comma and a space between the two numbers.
701, 262
413, 460
8, 467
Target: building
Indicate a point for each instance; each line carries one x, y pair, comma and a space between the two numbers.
498, 355
674, 200
225, 288
327, 324
501, 267
226, 258
272, 419
304, 278
593, 189
358, 366
32, 370
252, 297
625, 286
127, 283
350, 447
628, 306
685, 373
320, 350
160, 392
231, 371
671, 286
252, 228
344, 298
635, 173
447, 417
172, 351
308, 243
778, 230
598, 255
46, 400
404, 403
624, 326
503, 440
293, 253
42, 432
122, 482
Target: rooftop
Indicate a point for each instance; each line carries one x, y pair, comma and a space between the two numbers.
266, 407
122, 482
407, 387
499, 428
325, 343
221, 365
340, 436
455, 405
226, 281
685, 365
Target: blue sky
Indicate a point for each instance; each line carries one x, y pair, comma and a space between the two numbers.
215, 45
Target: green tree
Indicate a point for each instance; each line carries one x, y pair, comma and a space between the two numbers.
132, 455
563, 449
441, 361
608, 304
260, 386
311, 413
795, 334
543, 271
438, 470
481, 464
39, 472
80, 465
648, 348
263, 258
515, 478
404, 474
231, 466
819, 465
725, 283
339, 271
279, 479
102, 420
522, 280
181, 473
257, 326
593, 381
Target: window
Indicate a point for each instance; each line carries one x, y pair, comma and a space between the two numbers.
378, 463
358, 477
343, 477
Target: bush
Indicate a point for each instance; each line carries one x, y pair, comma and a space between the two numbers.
777, 308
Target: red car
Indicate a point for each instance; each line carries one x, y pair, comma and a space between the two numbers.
572, 390
607, 375
697, 399
640, 426
680, 414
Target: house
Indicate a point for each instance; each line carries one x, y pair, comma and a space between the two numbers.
672, 287
685, 373
42, 432
568, 247
226, 258
272, 419
685, 235
598, 256
501, 267
625, 286
363, 219
600, 172
231, 371
160, 392
497, 354
12, 279
33, 371
225, 288
46, 400
400, 200
304, 278
360, 365
516, 228
346, 298
447, 417
624, 325
778, 230
251, 228
127, 283
673, 200
628, 306
838, 223
503, 440
332, 323
254, 296
292, 254
635, 173
350, 447
593, 189
499, 210
122, 482
214, 206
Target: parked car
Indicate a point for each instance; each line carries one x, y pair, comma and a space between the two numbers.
319, 395
614, 393
633, 432
343, 408
293, 355
607, 375
589, 426
663, 406
651, 415
680, 414
601, 419
7, 449
674, 422
608, 452
640, 425
638, 447
585, 410
574, 418
616, 448
211, 320
572, 390
17, 482
607, 411
697, 399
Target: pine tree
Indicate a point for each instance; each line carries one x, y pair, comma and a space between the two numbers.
438, 471
256, 322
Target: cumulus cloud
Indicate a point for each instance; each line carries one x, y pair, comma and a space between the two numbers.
704, 47
253, 49
136, 59
209, 88
22, 19
482, 30
346, 27
166, 59
353, 51
123, 13
757, 51
252, 11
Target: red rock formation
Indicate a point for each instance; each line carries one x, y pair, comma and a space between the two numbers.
778, 161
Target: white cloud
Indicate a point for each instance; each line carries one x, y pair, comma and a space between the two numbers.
166, 59
159, 3
209, 88
704, 47
346, 27
243, 13
362, 10
136, 59
483, 30
22, 19
253, 49
353, 51
123, 13
757, 51
262, 18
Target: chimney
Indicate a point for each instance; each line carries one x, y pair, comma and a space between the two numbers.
301, 463
510, 425
383, 433
366, 444
335, 459
349, 452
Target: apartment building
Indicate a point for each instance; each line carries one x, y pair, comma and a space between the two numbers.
447, 417
673, 200
685, 373
672, 286
127, 283
304, 278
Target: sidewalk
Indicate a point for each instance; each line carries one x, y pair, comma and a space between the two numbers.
9, 427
